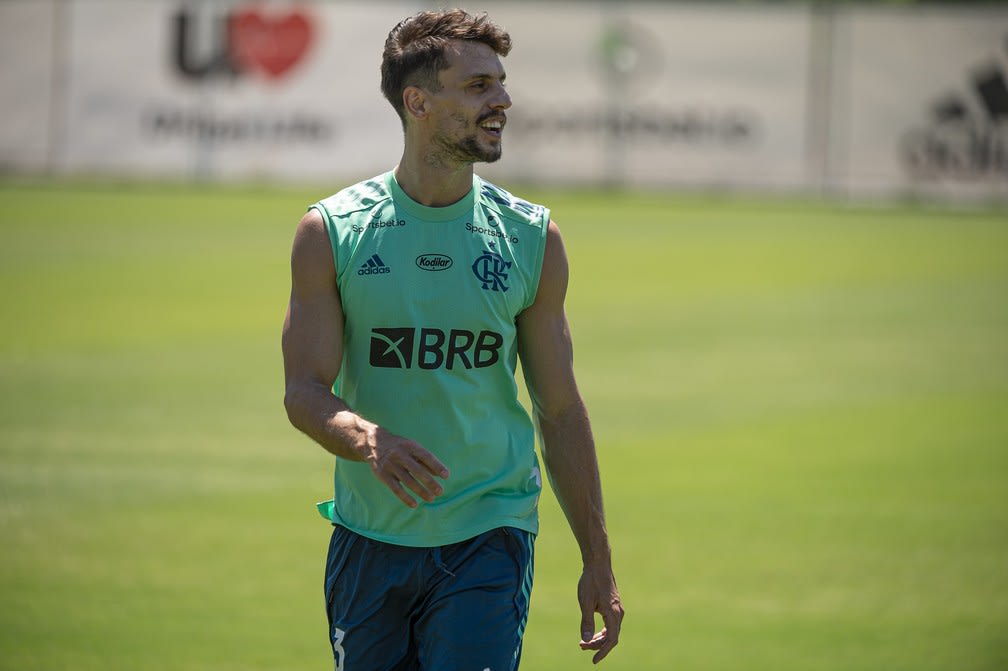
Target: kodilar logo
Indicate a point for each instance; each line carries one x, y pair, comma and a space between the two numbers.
434, 262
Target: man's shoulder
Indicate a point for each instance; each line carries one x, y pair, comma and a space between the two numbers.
509, 206
363, 196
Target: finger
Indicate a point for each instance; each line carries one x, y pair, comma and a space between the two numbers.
587, 621
601, 654
595, 642
397, 488
606, 644
601, 643
414, 466
424, 476
405, 475
612, 619
587, 605
420, 481
431, 463
610, 633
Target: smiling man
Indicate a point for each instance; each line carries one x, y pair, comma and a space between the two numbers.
414, 294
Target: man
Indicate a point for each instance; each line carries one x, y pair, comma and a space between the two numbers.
413, 296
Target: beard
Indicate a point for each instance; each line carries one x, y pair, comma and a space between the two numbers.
468, 148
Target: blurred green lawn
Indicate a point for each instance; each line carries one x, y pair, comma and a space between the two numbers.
801, 410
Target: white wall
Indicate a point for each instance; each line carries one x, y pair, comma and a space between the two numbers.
854, 100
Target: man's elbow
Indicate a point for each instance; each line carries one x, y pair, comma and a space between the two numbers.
561, 410
293, 401
305, 400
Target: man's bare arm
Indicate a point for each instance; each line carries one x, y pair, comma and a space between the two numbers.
313, 352
568, 445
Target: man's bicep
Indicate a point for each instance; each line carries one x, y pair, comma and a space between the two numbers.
544, 336
313, 328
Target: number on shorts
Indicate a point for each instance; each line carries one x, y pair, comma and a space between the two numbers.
337, 647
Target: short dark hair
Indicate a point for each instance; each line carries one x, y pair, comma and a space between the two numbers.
415, 49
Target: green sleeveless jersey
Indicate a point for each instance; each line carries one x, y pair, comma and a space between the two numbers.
430, 297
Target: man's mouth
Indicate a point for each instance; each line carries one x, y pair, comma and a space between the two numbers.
494, 125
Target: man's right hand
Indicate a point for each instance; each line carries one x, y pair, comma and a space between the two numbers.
403, 465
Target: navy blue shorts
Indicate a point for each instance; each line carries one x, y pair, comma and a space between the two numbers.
460, 606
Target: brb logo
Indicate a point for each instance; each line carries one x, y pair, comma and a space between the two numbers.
241, 41
491, 270
433, 349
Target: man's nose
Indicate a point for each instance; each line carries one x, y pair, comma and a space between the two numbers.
502, 100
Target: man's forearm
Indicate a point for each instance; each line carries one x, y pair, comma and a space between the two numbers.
327, 419
401, 464
572, 467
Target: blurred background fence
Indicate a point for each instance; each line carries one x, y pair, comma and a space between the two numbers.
846, 99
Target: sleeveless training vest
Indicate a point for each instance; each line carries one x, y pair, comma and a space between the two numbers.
430, 297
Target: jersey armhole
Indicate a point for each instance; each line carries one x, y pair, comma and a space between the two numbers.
331, 232
538, 262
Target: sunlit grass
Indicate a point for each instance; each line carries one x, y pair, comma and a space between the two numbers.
799, 410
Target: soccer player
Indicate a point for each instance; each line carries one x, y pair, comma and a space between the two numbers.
414, 294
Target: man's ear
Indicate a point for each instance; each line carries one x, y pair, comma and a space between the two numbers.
415, 102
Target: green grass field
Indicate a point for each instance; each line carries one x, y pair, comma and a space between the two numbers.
801, 411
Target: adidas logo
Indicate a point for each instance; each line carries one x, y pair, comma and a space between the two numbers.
374, 266
967, 135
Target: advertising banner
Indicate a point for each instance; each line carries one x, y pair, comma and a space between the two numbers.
632, 93
654, 94
924, 100
227, 90
849, 100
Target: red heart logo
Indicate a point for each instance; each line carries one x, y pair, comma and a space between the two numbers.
271, 45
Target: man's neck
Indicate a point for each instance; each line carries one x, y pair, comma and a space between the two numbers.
431, 182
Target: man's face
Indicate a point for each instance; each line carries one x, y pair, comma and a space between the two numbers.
468, 111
